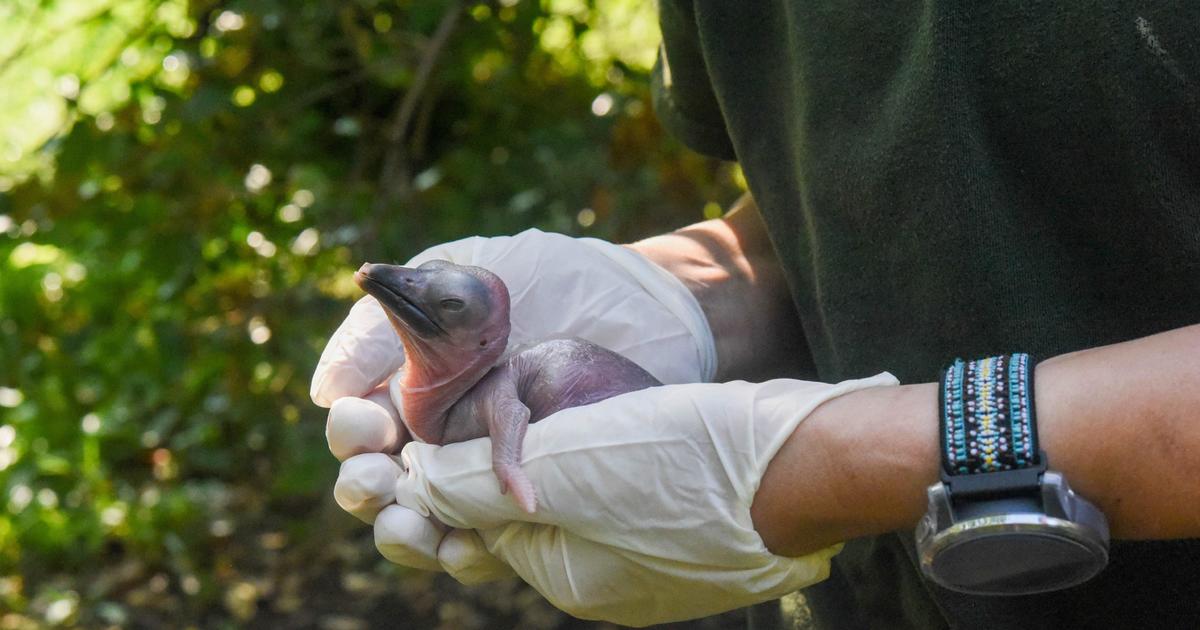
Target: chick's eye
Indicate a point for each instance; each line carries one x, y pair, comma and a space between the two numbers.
452, 304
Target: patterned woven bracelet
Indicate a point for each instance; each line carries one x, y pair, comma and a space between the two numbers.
987, 417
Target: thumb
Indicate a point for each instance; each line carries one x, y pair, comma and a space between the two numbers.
362, 353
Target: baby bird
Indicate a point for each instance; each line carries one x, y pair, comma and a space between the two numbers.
458, 384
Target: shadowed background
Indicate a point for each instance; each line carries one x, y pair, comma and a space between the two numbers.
185, 190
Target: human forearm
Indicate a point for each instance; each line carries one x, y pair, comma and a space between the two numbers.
730, 267
1122, 422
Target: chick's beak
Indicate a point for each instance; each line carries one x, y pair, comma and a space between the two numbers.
399, 289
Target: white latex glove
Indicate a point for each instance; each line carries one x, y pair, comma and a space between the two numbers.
559, 287
644, 500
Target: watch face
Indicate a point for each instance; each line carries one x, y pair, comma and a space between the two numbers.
1016, 554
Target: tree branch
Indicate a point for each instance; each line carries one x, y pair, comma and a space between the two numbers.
394, 163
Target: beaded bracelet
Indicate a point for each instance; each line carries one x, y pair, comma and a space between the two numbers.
987, 417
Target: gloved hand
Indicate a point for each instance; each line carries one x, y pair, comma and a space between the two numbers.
560, 287
644, 501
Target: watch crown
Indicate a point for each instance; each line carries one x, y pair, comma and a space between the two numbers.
925, 526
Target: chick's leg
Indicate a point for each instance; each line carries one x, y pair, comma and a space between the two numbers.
506, 425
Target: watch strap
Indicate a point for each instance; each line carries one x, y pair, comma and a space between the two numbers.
988, 423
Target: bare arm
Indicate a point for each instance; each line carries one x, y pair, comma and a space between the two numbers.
1122, 422
730, 266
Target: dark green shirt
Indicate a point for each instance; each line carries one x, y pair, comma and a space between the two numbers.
949, 178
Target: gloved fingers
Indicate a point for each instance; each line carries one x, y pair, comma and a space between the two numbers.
465, 557
362, 353
365, 425
407, 538
366, 483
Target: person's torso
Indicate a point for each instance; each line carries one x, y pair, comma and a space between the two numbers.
946, 179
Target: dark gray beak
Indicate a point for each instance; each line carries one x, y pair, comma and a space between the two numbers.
398, 289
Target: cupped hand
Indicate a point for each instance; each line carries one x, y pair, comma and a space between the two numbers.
559, 287
644, 513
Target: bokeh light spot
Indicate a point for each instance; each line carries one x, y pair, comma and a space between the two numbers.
258, 330
257, 178
270, 81
303, 198
10, 397
229, 21
243, 96
290, 213
306, 242
90, 424
602, 104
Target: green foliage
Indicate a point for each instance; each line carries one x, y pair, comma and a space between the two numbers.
184, 191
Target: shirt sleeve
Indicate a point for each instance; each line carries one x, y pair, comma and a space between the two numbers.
683, 95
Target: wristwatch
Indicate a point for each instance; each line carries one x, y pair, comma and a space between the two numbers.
1000, 522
